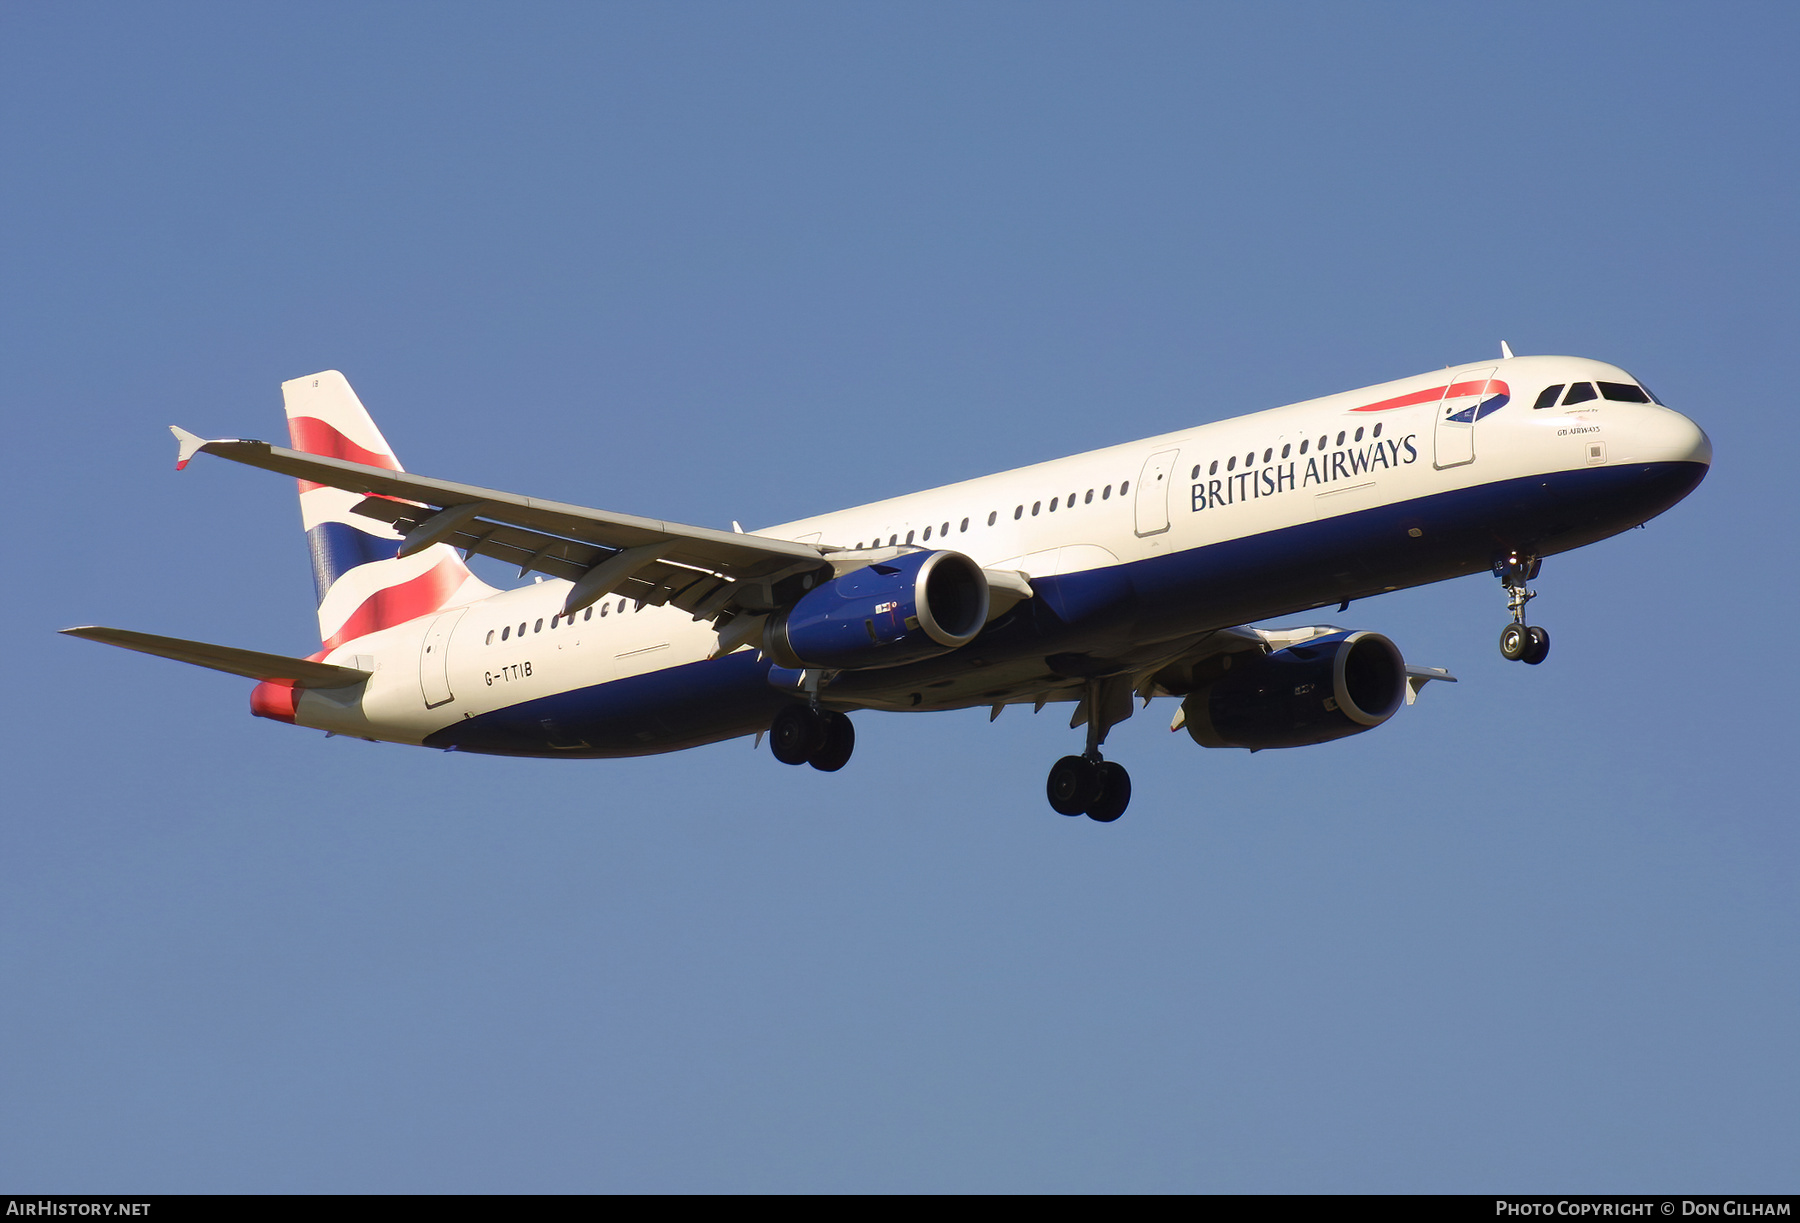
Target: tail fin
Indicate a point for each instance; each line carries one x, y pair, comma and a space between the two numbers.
362, 586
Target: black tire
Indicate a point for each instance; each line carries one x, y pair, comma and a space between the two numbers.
840, 741
796, 734
1073, 785
1515, 639
1537, 647
1115, 793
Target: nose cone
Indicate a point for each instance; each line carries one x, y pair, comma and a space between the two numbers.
1664, 436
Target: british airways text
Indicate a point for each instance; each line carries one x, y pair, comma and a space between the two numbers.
1286, 476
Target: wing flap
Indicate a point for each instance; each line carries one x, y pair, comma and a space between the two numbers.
252, 664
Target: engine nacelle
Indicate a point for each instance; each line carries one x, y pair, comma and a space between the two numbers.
915, 606
1332, 686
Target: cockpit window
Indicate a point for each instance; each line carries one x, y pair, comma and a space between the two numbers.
1581, 392
1623, 392
1548, 398
1653, 399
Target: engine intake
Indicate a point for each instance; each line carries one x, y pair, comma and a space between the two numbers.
1333, 686
913, 607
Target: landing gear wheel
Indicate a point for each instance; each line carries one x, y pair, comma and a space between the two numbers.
797, 733
1074, 785
1515, 639
1537, 648
840, 741
1115, 793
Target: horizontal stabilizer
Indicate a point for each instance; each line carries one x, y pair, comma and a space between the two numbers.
249, 663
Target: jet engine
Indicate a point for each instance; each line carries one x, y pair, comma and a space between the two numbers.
913, 607
1332, 686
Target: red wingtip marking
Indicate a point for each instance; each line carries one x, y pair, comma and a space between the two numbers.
180, 464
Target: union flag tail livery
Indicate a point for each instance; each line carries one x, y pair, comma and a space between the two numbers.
1095, 580
363, 584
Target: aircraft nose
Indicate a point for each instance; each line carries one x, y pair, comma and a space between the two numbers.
1666, 436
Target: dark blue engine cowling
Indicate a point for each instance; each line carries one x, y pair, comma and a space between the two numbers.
1332, 686
915, 606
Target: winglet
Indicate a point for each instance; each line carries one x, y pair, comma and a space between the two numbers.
188, 444
1506, 352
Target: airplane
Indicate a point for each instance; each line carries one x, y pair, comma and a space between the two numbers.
1122, 574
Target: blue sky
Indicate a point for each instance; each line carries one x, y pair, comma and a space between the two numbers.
714, 262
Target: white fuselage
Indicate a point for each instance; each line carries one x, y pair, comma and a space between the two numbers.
1182, 492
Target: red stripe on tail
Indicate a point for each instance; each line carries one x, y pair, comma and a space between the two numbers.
406, 601
310, 435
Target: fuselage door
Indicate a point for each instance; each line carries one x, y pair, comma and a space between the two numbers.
1153, 493
434, 660
1456, 417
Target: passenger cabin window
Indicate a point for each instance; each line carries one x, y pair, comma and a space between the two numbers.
1035, 507
965, 524
490, 637
909, 537
1089, 499
1623, 392
539, 626
1053, 502
992, 514
1340, 440
1124, 488
1358, 436
1106, 492
945, 529
1268, 454
1377, 432
1211, 471
1548, 398
1303, 446
588, 614
1018, 512
506, 632
1286, 450
1231, 463
927, 532
1581, 392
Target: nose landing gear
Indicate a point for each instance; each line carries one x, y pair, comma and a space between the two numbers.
1086, 784
1520, 642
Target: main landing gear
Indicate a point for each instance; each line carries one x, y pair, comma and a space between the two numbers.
1086, 784
1090, 786
1520, 642
806, 734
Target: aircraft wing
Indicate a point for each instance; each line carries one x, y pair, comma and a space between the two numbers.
699, 569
